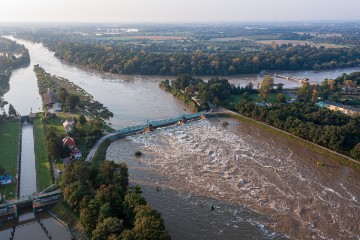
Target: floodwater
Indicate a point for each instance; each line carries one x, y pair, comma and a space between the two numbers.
28, 171
30, 227
209, 182
133, 99
258, 185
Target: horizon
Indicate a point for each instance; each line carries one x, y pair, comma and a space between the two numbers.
170, 11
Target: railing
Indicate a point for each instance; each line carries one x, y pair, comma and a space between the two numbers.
157, 123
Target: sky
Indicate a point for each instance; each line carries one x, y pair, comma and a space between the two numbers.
177, 10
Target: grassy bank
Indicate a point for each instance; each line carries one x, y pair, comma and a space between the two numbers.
43, 168
100, 154
302, 142
9, 146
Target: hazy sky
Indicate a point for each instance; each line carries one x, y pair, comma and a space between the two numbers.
176, 10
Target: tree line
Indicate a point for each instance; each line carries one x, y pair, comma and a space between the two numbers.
135, 59
108, 207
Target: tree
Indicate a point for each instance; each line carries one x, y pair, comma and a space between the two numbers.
132, 199
54, 147
62, 94
149, 224
304, 92
74, 193
12, 111
355, 152
280, 98
89, 215
71, 102
82, 119
348, 84
265, 87
108, 229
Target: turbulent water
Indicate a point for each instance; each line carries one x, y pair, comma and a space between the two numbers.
255, 182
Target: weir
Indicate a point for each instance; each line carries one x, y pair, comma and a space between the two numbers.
140, 128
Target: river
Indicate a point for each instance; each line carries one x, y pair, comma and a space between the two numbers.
259, 185
210, 182
133, 99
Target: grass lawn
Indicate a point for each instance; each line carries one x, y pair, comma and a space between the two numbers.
56, 123
256, 98
43, 168
9, 145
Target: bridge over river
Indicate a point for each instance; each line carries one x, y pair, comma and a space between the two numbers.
140, 128
39, 202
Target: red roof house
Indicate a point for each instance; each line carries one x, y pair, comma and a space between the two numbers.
69, 142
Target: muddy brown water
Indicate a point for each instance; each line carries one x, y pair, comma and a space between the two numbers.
258, 184
29, 228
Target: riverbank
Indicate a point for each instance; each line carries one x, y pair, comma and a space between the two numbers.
342, 159
9, 145
43, 168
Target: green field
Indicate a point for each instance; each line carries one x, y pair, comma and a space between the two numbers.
43, 168
9, 145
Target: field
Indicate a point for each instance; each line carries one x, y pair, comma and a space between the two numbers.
9, 145
43, 168
300, 42
154, 38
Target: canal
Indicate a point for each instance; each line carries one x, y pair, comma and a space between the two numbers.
24, 96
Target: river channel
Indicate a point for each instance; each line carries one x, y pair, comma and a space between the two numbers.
240, 182
133, 99
211, 182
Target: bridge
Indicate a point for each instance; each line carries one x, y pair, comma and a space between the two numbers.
39, 202
292, 78
141, 128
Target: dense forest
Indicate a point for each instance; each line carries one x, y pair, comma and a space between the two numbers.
322, 126
107, 206
131, 59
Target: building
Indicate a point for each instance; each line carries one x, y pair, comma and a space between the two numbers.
339, 107
4, 180
49, 98
57, 107
69, 142
77, 153
68, 125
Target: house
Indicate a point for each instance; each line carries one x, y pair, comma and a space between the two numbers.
77, 153
49, 98
5, 179
339, 107
57, 107
68, 125
69, 142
